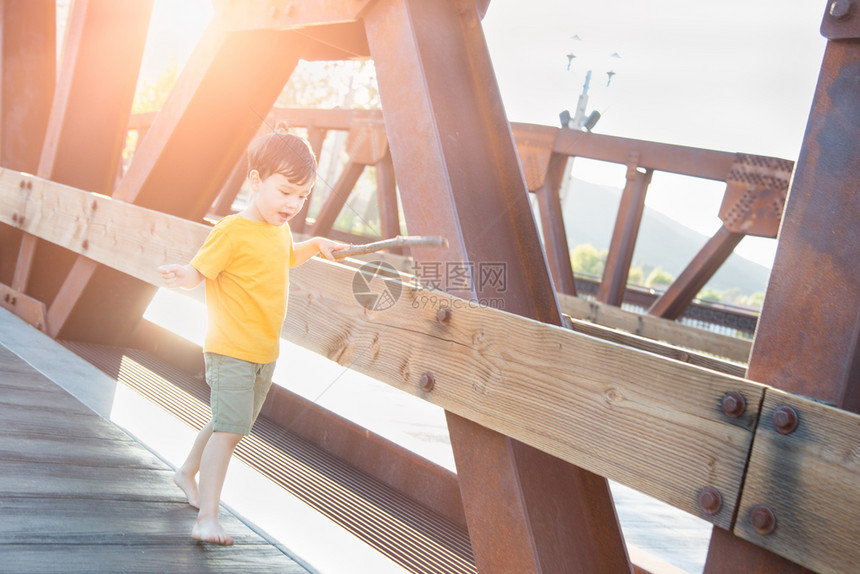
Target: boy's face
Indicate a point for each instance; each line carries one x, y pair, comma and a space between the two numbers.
275, 200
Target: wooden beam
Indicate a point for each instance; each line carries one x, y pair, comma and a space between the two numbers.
808, 480
117, 234
656, 328
670, 351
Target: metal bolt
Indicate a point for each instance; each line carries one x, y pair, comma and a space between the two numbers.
21, 221
734, 404
427, 382
840, 9
710, 500
15, 217
85, 244
763, 520
785, 420
443, 315
14, 300
95, 205
23, 184
6, 297
29, 185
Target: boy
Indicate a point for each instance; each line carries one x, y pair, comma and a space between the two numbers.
245, 262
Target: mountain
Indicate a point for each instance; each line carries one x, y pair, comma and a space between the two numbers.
589, 214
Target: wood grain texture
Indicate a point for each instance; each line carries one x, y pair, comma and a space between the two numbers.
810, 479
120, 235
656, 328
642, 420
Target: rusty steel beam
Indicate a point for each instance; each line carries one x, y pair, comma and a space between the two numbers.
552, 225
337, 198
28, 61
316, 137
459, 177
624, 236
671, 304
389, 217
683, 160
807, 338
104, 47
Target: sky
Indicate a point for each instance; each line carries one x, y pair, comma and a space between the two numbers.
728, 75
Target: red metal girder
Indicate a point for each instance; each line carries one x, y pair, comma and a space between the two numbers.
672, 303
337, 198
624, 236
224, 202
534, 148
285, 14
28, 61
552, 224
704, 163
316, 137
459, 177
331, 119
101, 60
807, 337
389, 217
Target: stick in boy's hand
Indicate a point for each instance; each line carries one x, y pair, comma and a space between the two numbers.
399, 241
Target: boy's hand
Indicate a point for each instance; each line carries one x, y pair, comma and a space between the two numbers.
180, 275
327, 246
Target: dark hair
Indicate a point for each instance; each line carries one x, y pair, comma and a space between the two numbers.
284, 153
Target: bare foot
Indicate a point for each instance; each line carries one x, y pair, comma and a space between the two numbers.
188, 486
210, 530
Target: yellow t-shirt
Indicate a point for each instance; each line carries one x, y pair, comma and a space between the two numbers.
246, 265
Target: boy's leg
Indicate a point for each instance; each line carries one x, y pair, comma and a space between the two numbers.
213, 468
186, 475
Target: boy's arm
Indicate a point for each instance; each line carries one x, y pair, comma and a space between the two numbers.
185, 276
304, 250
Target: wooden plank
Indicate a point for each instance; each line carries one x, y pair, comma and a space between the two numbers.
810, 479
67, 480
81, 520
656, 328
189, 558
637, 342
123, 236
651, 423
61, 449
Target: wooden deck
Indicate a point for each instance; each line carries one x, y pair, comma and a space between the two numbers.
77, 494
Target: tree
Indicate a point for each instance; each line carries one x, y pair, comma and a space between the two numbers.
709, 294
635, 276
585, 258
658, 277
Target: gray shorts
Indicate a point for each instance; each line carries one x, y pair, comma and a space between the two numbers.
238, 389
